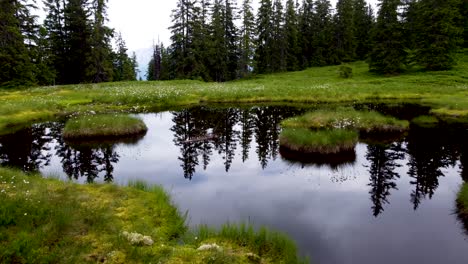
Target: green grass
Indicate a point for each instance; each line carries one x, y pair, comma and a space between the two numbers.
446, 92
52, 221
321, 141
90, 126
425, 121
462, 204
347, 118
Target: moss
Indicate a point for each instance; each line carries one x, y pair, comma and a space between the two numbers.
322, 141
50, 221
99, 126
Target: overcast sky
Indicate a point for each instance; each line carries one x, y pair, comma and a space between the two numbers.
142, 21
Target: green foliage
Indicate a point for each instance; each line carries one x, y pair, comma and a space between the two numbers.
388, 51
319, 141
345, 71
263, 59
102, 126
345, 30
437, 33
16, 68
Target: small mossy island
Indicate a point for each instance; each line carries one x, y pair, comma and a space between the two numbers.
102, 126
336, 130
321, 141
53, 221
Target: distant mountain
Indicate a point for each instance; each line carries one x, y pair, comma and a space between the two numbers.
143, 58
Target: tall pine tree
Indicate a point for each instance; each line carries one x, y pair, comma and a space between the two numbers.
363, 23
247, 39
15, 61
263, 57
345, 30
291, 31
388, 51
437, 33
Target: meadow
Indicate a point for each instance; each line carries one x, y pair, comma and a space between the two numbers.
446, 92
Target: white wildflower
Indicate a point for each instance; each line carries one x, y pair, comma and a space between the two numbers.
209, 247
138, 239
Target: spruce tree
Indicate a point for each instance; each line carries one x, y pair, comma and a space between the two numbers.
182, 29
388, 51
278, 45
231, 40
291, 31
464, 21
100, 68
55, 28
77, 41
345, 30
124, 66
219, 52
15, 62
324, 51
264, 38
437, 33
307, 32
247, 39
363, 23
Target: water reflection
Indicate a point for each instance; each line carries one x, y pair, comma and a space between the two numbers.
202, 135
26, 149
383, 159
199, 132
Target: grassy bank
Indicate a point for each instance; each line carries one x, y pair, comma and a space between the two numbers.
462, 204
92, 126
446, 92
52, 221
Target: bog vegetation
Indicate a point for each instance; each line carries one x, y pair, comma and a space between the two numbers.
48, 220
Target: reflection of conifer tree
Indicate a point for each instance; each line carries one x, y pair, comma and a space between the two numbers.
429, 152
226, 143
109, 158
262, 125
26, 149
85, 160
246, 120
382, 159
276, 116
267, 129
185, 134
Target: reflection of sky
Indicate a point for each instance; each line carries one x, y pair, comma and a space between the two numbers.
328, 212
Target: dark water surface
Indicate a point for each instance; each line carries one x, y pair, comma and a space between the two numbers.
385, 203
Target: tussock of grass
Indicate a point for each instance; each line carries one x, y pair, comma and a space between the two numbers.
347, 118
52, 221
425, 121
103, 126
321, 141
251, 246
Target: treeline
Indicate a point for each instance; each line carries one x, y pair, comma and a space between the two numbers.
73, 45
219, 41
